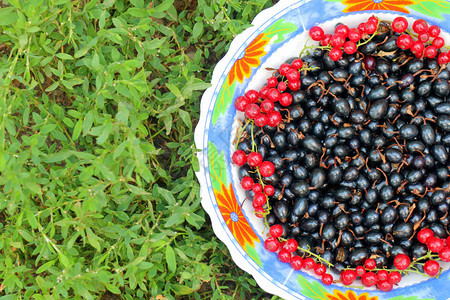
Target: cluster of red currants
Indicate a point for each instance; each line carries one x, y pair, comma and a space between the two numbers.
287, 253
344, 39
423, 46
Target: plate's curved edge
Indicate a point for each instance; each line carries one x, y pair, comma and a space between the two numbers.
199, 133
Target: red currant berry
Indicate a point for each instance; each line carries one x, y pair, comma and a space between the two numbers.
239, 157
431, 267
282, 244
252, 95
271, 244
348, 277
420, 26
404, 41
309, 263
294, 85
252, 111
373, 19
447, 241
247, 183
320, 269
260, 212
274, 119
370, 27
316, 33
254, 159
272, 82
434, 31
269, 190
326, 40
430, 51
296, 262
399, 24
435, 244
424, 234
362, 27
354, 35
360, 271
423, 37
402, 262
267, 106
335, 54
369, 279
417, 47
443, 58
276, 230
241, 103
284, 68
342, 29
385, 286
261, 120
382, 275
438, 42
291, 245
394, 277
273, 94
284, 256
350, 47
444, 254
266, 169
259, 199
337, 40
292, 75
297, 63
286, 99
257, 188
327, 279
264, 91
370, 264
282, 86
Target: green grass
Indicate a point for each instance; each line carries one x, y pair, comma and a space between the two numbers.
98, 103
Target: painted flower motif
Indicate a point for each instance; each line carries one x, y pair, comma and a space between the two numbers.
243, 66
349, 295
358, 5
234, 217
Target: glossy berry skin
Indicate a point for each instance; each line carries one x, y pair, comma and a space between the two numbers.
259, 212
337, 40
271, 244
272, 82
291, 245
435, 244
316, 33
438, 42
286, 99
404, 41
362, 27
420, 26
273, 94
326, 40
348, 277
274, 118
354, 35
266, 169
296, 262
269, 190
335, 54
284, 68
402, 262
261, 120
252, 96
443, 58
294, 85
267, 106
423, 38
239, 157
282, 86
360, 271
259, 199
444, 254
369, 279
254, 159
399, 24
257, 188
382, 275
297, 63
309, 263
342, 29
320, 269
430, 52
394, 277
284, 256
327, 279
252, 111
417, 47
370, 27
350, 47
370, 264
276, 231
424, 234
241, 103
247, 183
434, 31
385, 286
431, 267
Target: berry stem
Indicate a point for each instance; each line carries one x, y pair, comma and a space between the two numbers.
241, 130
312, 254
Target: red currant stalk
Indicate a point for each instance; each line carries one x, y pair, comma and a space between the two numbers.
240, 132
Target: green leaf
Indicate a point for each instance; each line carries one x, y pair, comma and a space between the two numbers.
182, 289
166, 195
77, 130
186, 118
170, 259
312, 289
88, 121
164, 5
195, 220
8, 15
112, 288
64, 56
85, 49
197, 30
93, 239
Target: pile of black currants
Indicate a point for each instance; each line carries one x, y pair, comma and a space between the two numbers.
345, 153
